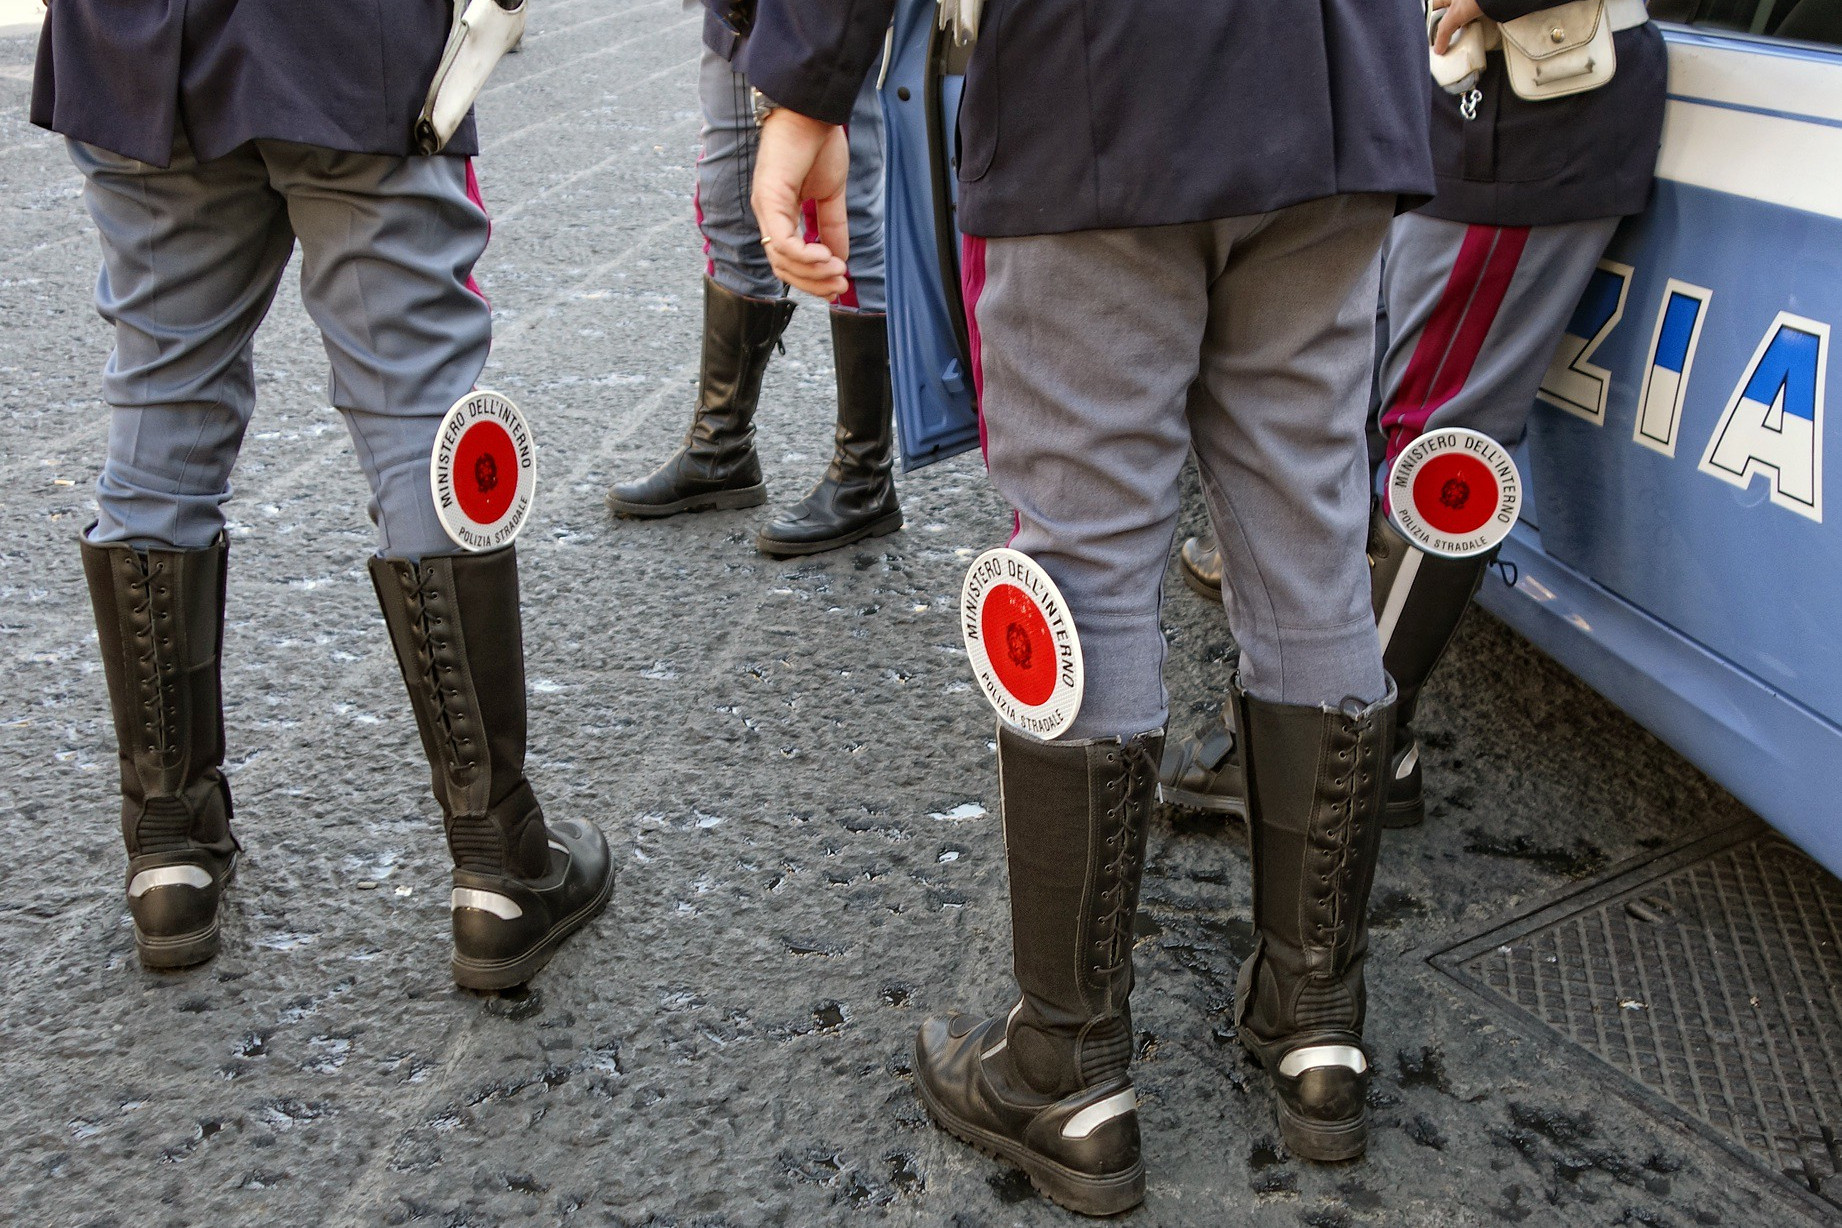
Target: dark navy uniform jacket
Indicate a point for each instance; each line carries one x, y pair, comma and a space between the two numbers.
1521, 163
1094, 114
127, 74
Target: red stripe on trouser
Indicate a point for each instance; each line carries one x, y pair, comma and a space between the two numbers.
972, 288
697, 209
1456, 330
474, 195
809, 213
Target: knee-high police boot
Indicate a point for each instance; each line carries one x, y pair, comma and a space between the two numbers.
716, 465
521, 886
1045, 1087
856, 497
1419, 600
160, 624
1314, 793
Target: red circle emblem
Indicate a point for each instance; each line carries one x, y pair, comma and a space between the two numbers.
1021, 648
485, 472
1455, 493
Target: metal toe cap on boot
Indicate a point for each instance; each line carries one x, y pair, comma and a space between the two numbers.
173, 899
1081, 1151
1323, 1101
506, 928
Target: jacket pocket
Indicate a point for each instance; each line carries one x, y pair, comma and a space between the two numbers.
982, 103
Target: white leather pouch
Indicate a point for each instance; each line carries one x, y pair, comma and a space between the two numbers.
484, 30
1558, 51
1457, 71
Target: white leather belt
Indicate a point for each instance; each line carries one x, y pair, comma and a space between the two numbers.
1627, 14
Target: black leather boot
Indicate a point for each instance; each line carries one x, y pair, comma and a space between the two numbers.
1203, 771
856, 497
1419, 601
1200, 561
716, 466
1046, 1087
1315, 788
160, 624
521, 886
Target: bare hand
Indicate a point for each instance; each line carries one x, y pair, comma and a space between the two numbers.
1458, 15
803, 159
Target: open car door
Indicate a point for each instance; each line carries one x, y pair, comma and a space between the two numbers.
936, 406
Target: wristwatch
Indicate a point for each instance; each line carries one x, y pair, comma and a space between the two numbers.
764, 106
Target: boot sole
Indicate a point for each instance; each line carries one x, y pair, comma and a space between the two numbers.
180, 951
716, 500
1401, 814
1326, 1142
504, 974
1113, 1194
1213, 803
774, 548
1203, 589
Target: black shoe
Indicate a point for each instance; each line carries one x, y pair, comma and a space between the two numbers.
1046, 1087
716, 466
1203, 771
521, 886
1200, 561
1315, 787
506, 928
1080, 1150
160, 626
1406, 805
1419, 601
856, 497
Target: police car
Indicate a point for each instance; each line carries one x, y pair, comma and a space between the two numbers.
1677, 551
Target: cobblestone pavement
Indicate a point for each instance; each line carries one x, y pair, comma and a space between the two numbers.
789, 760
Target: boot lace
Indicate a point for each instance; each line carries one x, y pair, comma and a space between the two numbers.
155, 657
1352, 751
1125, 852
430, 626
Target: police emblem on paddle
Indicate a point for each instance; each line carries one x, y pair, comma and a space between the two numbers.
1022, 642
484, 471
1455, 492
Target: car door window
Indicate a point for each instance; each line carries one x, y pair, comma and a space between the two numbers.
1807, 21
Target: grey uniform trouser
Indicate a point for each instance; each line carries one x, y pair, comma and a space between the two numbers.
726, 178
1473, 315
1105, 357
192, 255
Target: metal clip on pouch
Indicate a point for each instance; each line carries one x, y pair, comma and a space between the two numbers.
484, 30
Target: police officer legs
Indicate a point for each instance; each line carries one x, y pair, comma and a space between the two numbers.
745, 312
192, 255
1088, 428
1088, 425
1506, 294
1477, 287
1441, 277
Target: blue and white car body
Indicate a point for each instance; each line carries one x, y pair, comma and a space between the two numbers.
1677, 550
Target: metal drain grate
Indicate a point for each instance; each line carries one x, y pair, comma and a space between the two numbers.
1713, 977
